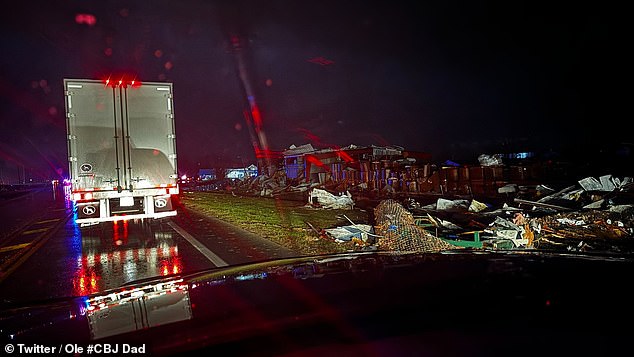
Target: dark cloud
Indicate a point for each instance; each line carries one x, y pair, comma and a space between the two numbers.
428, 76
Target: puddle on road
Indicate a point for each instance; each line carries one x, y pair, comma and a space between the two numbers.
114, 254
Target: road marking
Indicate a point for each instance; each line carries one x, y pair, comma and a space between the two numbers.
9, 266
201, 247
13, 247
35, 231
47, 221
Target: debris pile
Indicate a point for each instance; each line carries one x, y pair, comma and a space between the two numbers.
520, 231
276, 186
595, 214
360, 234
324, 199
399, 232
596, 230
592, 215
490, 160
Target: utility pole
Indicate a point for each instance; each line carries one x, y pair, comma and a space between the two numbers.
252, 115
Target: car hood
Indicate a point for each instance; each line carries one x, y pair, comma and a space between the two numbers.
235, 302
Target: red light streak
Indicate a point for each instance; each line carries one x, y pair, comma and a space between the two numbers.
267, 154
171, 266
344, 156
310, 136
257, 119
315, 161
321, 61
91, 268
87, 19
86, 283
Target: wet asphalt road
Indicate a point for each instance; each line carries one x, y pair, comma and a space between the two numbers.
44, 254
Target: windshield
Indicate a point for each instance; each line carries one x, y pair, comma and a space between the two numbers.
160, 139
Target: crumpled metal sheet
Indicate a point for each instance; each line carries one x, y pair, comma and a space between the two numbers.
347, 233
327, 200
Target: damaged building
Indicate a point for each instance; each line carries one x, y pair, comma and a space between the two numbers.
395, 171
377, 172
371, 167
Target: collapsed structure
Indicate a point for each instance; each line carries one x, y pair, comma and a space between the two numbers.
422, 206
388, 171
591, 215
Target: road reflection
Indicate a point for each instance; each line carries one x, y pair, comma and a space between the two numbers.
116, 253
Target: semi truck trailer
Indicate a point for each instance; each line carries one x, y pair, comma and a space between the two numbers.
121, 150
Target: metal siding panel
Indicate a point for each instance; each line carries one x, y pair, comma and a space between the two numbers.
91, 132
151, 130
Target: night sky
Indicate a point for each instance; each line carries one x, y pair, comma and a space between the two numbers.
452, 78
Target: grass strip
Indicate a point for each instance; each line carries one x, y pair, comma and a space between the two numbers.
287, 223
